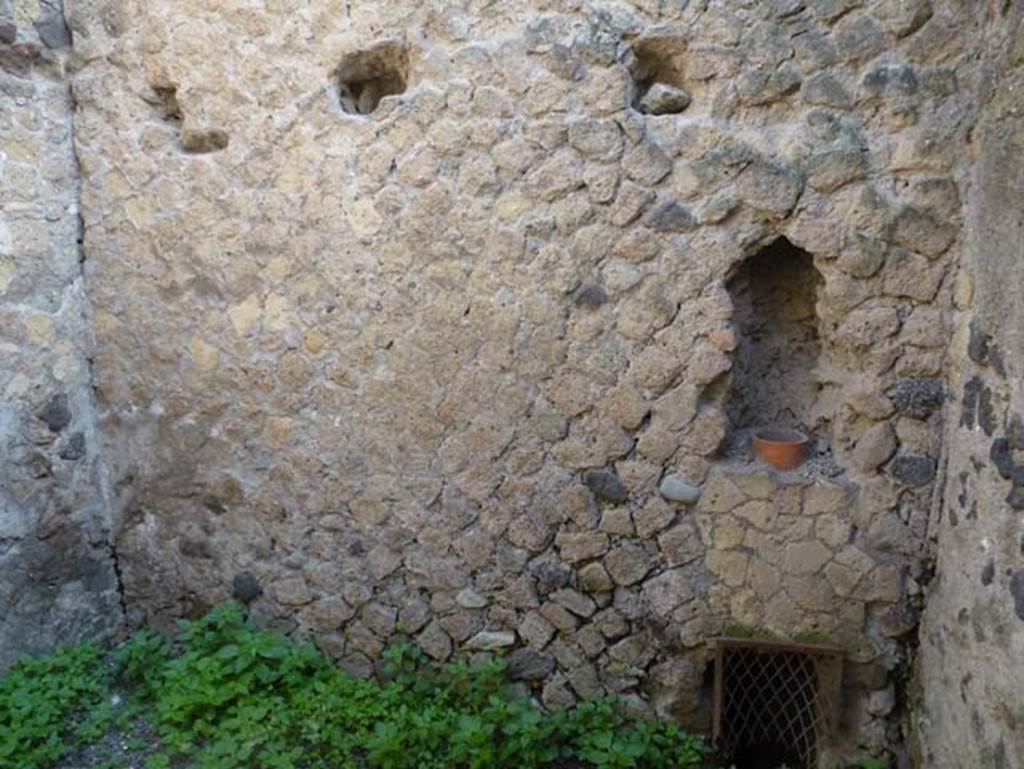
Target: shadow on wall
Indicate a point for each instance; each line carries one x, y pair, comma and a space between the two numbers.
774, 377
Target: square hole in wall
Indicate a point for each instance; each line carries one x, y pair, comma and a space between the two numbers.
658, 75
367, 76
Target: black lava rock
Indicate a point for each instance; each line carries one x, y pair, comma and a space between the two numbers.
988, 573
972, 394
591, 295
978, 346
74, 449
984, 352
918, 398
606, 485
1015, 432
56, 413
550, 576
672, 216
1002, 457
1015, 499
1017, 591
528, 665
245, 587
53, 31
913, 470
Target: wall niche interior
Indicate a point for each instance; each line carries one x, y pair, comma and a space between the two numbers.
367, 76
774, 380
659, 75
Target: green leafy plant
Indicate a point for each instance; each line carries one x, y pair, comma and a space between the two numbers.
232, 696
48, 705
221, 694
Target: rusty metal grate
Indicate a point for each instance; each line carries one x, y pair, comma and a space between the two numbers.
775, 702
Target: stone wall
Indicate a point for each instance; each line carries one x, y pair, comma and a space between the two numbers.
426, 363
57, 579
449, 323
973, 634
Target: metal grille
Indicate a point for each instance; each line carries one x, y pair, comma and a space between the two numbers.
775, 702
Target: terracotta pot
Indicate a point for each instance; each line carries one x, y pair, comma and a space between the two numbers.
782, 448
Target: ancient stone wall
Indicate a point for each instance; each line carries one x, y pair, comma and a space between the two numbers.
450, 323
414, 321
57, 578
972, 638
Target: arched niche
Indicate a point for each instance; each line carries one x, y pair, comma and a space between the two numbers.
775, 379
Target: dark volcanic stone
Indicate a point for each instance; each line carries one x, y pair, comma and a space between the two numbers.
1015, 499
245, 587
591, 295
982, 351
53, 31
1015, 432
988, 573
913, 470
672, 216
1002, 457
978, 346
8, 33
357, 548
528, 665
918, 398
56, 413
74, 449
894, 78
606, 485
986, 412
1017, 591
969, 409
550, 576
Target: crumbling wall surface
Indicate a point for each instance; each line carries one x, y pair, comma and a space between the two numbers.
57, 578
452, 364
972, 638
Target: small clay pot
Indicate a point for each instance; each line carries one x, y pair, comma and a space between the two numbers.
782, 448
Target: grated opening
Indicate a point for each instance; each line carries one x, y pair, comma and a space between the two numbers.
774, 702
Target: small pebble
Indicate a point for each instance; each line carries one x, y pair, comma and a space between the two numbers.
675, 489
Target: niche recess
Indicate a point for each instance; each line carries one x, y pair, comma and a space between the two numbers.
658, 75
367, 76
193, 141
774, 375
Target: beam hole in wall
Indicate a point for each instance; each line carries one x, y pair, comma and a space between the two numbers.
365, 77
167, 99
774, 382
193, 141
659, 75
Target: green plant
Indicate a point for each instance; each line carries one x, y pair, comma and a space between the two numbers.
232, 696
50, 704
221, 694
